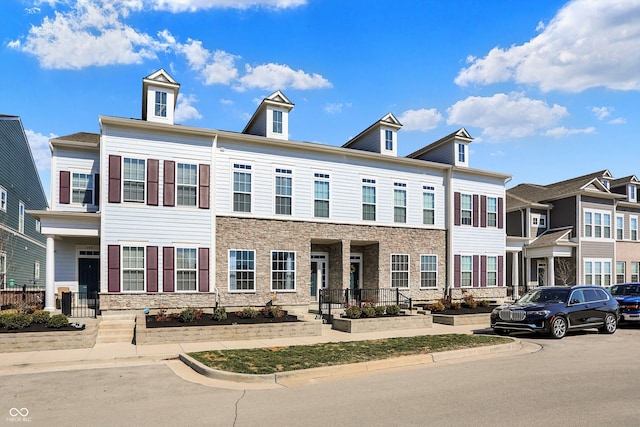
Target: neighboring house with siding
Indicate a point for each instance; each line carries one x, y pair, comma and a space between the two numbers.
576, 231
22, 246
184, 216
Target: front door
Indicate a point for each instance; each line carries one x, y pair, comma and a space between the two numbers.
88, 276
355, 276
542, 273
318, 274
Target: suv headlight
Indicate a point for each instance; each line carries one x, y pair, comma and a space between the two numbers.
543, 313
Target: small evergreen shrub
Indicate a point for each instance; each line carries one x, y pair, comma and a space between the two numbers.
436, 306
380, 310
469, 301
58, 321
454, 305
4, 317
248, 313
219, 314
188, 315
393, 310
273, 311
353, 312
40, 316
483, 303
368, 310
18, 321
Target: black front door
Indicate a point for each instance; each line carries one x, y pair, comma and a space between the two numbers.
89, 275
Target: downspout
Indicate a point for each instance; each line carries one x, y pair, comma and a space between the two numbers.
212, 204
449, 227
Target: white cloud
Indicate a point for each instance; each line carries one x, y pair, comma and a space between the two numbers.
277, 76
617, 121
335, 108
39, 144
215, 68
504, 116
421, 120
185, 110
601, 112
561, 131
195, 5
224, 101
587, 44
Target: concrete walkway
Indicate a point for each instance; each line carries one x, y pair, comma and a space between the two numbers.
104, 355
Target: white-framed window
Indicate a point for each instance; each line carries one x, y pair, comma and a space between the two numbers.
619, 227
21, 218
186, 269
133, 268
241, 187
620, 271
161, 104
321, 195
36, 270
82, 188
368, 199
388, 140
3, 270
283, 271
635, 271
539, 220
466, 271
283, 191
428, 271
492, 212
242, 270
462, 153
428, 205
597, 224
597, 272
38, 226
134, 180
399, 202
492, 271
466, 207
632, 193
3, 199
277, 121
400, 271
605, 182
187, 185
633, 227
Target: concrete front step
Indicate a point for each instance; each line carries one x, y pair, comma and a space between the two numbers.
116, 327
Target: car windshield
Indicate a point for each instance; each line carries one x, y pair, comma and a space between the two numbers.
545, 296
619, 290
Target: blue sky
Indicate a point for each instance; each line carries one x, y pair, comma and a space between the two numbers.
548, 89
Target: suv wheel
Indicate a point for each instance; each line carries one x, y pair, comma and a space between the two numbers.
558, 327
610, 324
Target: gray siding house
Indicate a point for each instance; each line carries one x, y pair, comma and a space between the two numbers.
22, 246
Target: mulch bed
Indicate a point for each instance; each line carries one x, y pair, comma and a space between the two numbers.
38, 327
207, 320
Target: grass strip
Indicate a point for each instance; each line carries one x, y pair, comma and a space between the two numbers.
270, 360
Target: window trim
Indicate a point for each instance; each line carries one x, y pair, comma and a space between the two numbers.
90, 188
620, 227
322, 177
277, 122
4, 199
633, 231
36, 270
135, 245
633, 193
462, 210
595, 225
593, 262
241, 167
635, 277
462, 271
400, 187
286, 173
487, 271
271, 270
622, 264
177, 269
462, 153
492, 212
143, 181
407, 271
187, 185
3, 274
230, 270
366, 182
429, 190
160, 103
21, 217
388, 140
422, 270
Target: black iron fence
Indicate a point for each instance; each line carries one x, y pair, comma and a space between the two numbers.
80, 304
22, 296
341, 298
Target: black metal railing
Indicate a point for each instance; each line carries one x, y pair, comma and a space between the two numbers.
80, 304
329, 299
21, 296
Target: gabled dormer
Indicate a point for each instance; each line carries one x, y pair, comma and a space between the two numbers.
271, 119
627, 186
159, 97
453, 149
381, 137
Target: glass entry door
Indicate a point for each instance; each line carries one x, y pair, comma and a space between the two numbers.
318, 274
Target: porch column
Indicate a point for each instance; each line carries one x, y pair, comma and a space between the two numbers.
515, 275
346, 263
50, 297
551, 275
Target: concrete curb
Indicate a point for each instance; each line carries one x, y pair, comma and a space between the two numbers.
374, 365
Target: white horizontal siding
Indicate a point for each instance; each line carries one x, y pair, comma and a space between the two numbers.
345, 185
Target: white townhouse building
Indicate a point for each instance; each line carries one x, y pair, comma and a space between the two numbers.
158, 215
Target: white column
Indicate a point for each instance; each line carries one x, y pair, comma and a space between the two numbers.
50, 296
551, 274
515, 274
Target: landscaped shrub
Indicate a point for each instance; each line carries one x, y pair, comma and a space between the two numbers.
273, 311
4, 317
247, 313
188, 315
469, 301
219, 314
436, 306
58, 321
40, 316
368, 310
483, 303
454, 305
393, 310
162, 316
353, 312
380, 310
18, 321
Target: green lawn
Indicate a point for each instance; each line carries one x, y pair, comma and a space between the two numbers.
281, 359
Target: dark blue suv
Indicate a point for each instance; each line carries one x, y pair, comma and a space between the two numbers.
628, 297
555, 310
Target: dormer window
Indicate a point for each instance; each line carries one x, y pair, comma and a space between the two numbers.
161, 104
605, 182
277, 121
462, 153
388, 140
632, 193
